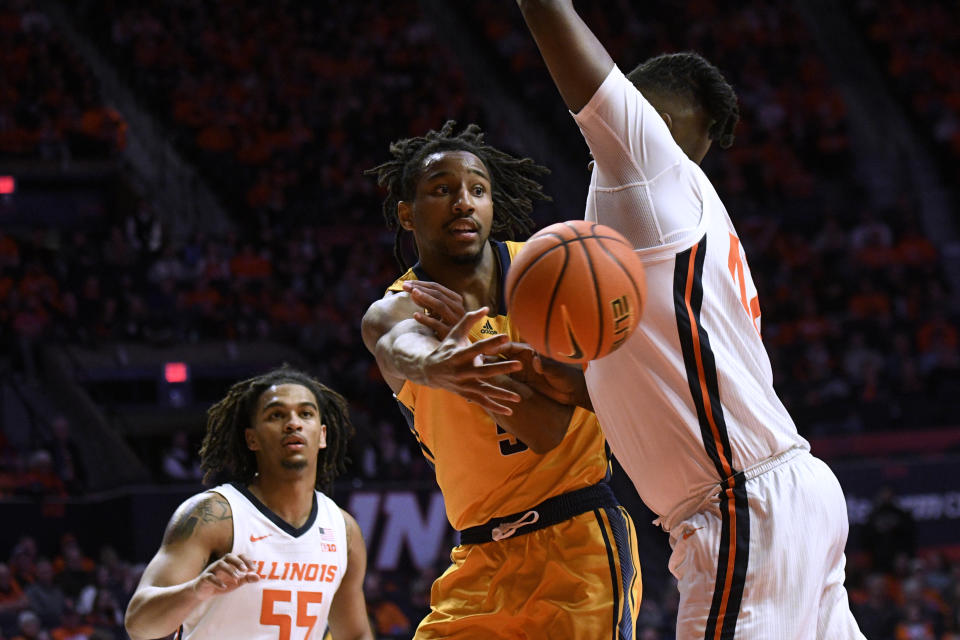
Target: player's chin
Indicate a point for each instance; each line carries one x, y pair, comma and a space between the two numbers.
467, 255
297, 463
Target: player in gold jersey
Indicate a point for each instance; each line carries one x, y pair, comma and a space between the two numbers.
546, 551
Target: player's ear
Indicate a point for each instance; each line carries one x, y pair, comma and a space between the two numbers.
405, 215
323, 436
668, 119
251, 437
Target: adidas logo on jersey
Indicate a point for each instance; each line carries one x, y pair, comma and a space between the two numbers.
488, 329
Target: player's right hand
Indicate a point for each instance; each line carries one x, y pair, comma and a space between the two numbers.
225, 575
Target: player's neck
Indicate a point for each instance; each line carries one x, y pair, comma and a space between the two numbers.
290, 498
478, 283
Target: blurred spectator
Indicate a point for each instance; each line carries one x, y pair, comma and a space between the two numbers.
915, 624
180, 463
107, 615
66, 456
952, 606
45, 596
40, 479
73, 569
12, 599
889, 532
31, 627
144, 233
103, 581
876, 613
23, 561
937, 343
71, 627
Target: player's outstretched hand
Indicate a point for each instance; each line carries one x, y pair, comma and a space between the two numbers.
442, 307
224, 575
461, 366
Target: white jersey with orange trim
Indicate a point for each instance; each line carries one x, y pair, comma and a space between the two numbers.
300, 570
688, 400
757, 525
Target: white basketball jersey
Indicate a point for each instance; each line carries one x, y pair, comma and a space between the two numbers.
300, 571
688, 401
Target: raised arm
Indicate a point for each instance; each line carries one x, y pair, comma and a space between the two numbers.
406, 350
348, 611
577, 61
181, 575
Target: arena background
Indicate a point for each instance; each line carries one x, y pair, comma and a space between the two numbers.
182, 205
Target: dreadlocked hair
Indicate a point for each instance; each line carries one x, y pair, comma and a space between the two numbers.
224, 455
513, 180
691, 76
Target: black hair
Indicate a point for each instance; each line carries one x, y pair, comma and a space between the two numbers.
224, 455
513, 180
690, 76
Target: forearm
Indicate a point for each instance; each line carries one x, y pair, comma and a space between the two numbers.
577, 61
156, 612
579, 394
541, 423
402, 355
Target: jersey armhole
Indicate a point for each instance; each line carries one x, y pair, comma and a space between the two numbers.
668, 251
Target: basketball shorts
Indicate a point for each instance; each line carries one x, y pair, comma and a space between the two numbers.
578, 579
767, 561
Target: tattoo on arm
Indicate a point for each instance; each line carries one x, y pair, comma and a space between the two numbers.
210, 509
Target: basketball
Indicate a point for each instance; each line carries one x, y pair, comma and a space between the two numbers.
575, 291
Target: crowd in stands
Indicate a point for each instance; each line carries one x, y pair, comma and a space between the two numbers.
50, 104
916, 44
281, 104
62, 593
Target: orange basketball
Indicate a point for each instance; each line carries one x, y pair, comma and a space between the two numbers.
575, 291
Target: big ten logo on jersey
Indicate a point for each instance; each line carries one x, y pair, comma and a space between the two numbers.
327, 538
299, 571
740, 272
509, 444
621, 319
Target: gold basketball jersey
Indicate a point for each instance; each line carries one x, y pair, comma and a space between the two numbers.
483, 471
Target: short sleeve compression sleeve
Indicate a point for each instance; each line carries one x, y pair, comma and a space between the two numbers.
643, 184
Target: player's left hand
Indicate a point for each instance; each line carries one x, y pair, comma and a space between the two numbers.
560, 382
442, 307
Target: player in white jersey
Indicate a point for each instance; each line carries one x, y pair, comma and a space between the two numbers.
266, 555
757, 525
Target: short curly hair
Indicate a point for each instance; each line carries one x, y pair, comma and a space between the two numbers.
691, 76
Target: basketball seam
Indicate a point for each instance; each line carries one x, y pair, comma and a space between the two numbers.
625, 271
553, 295
540, 257
596, 285
562, 242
